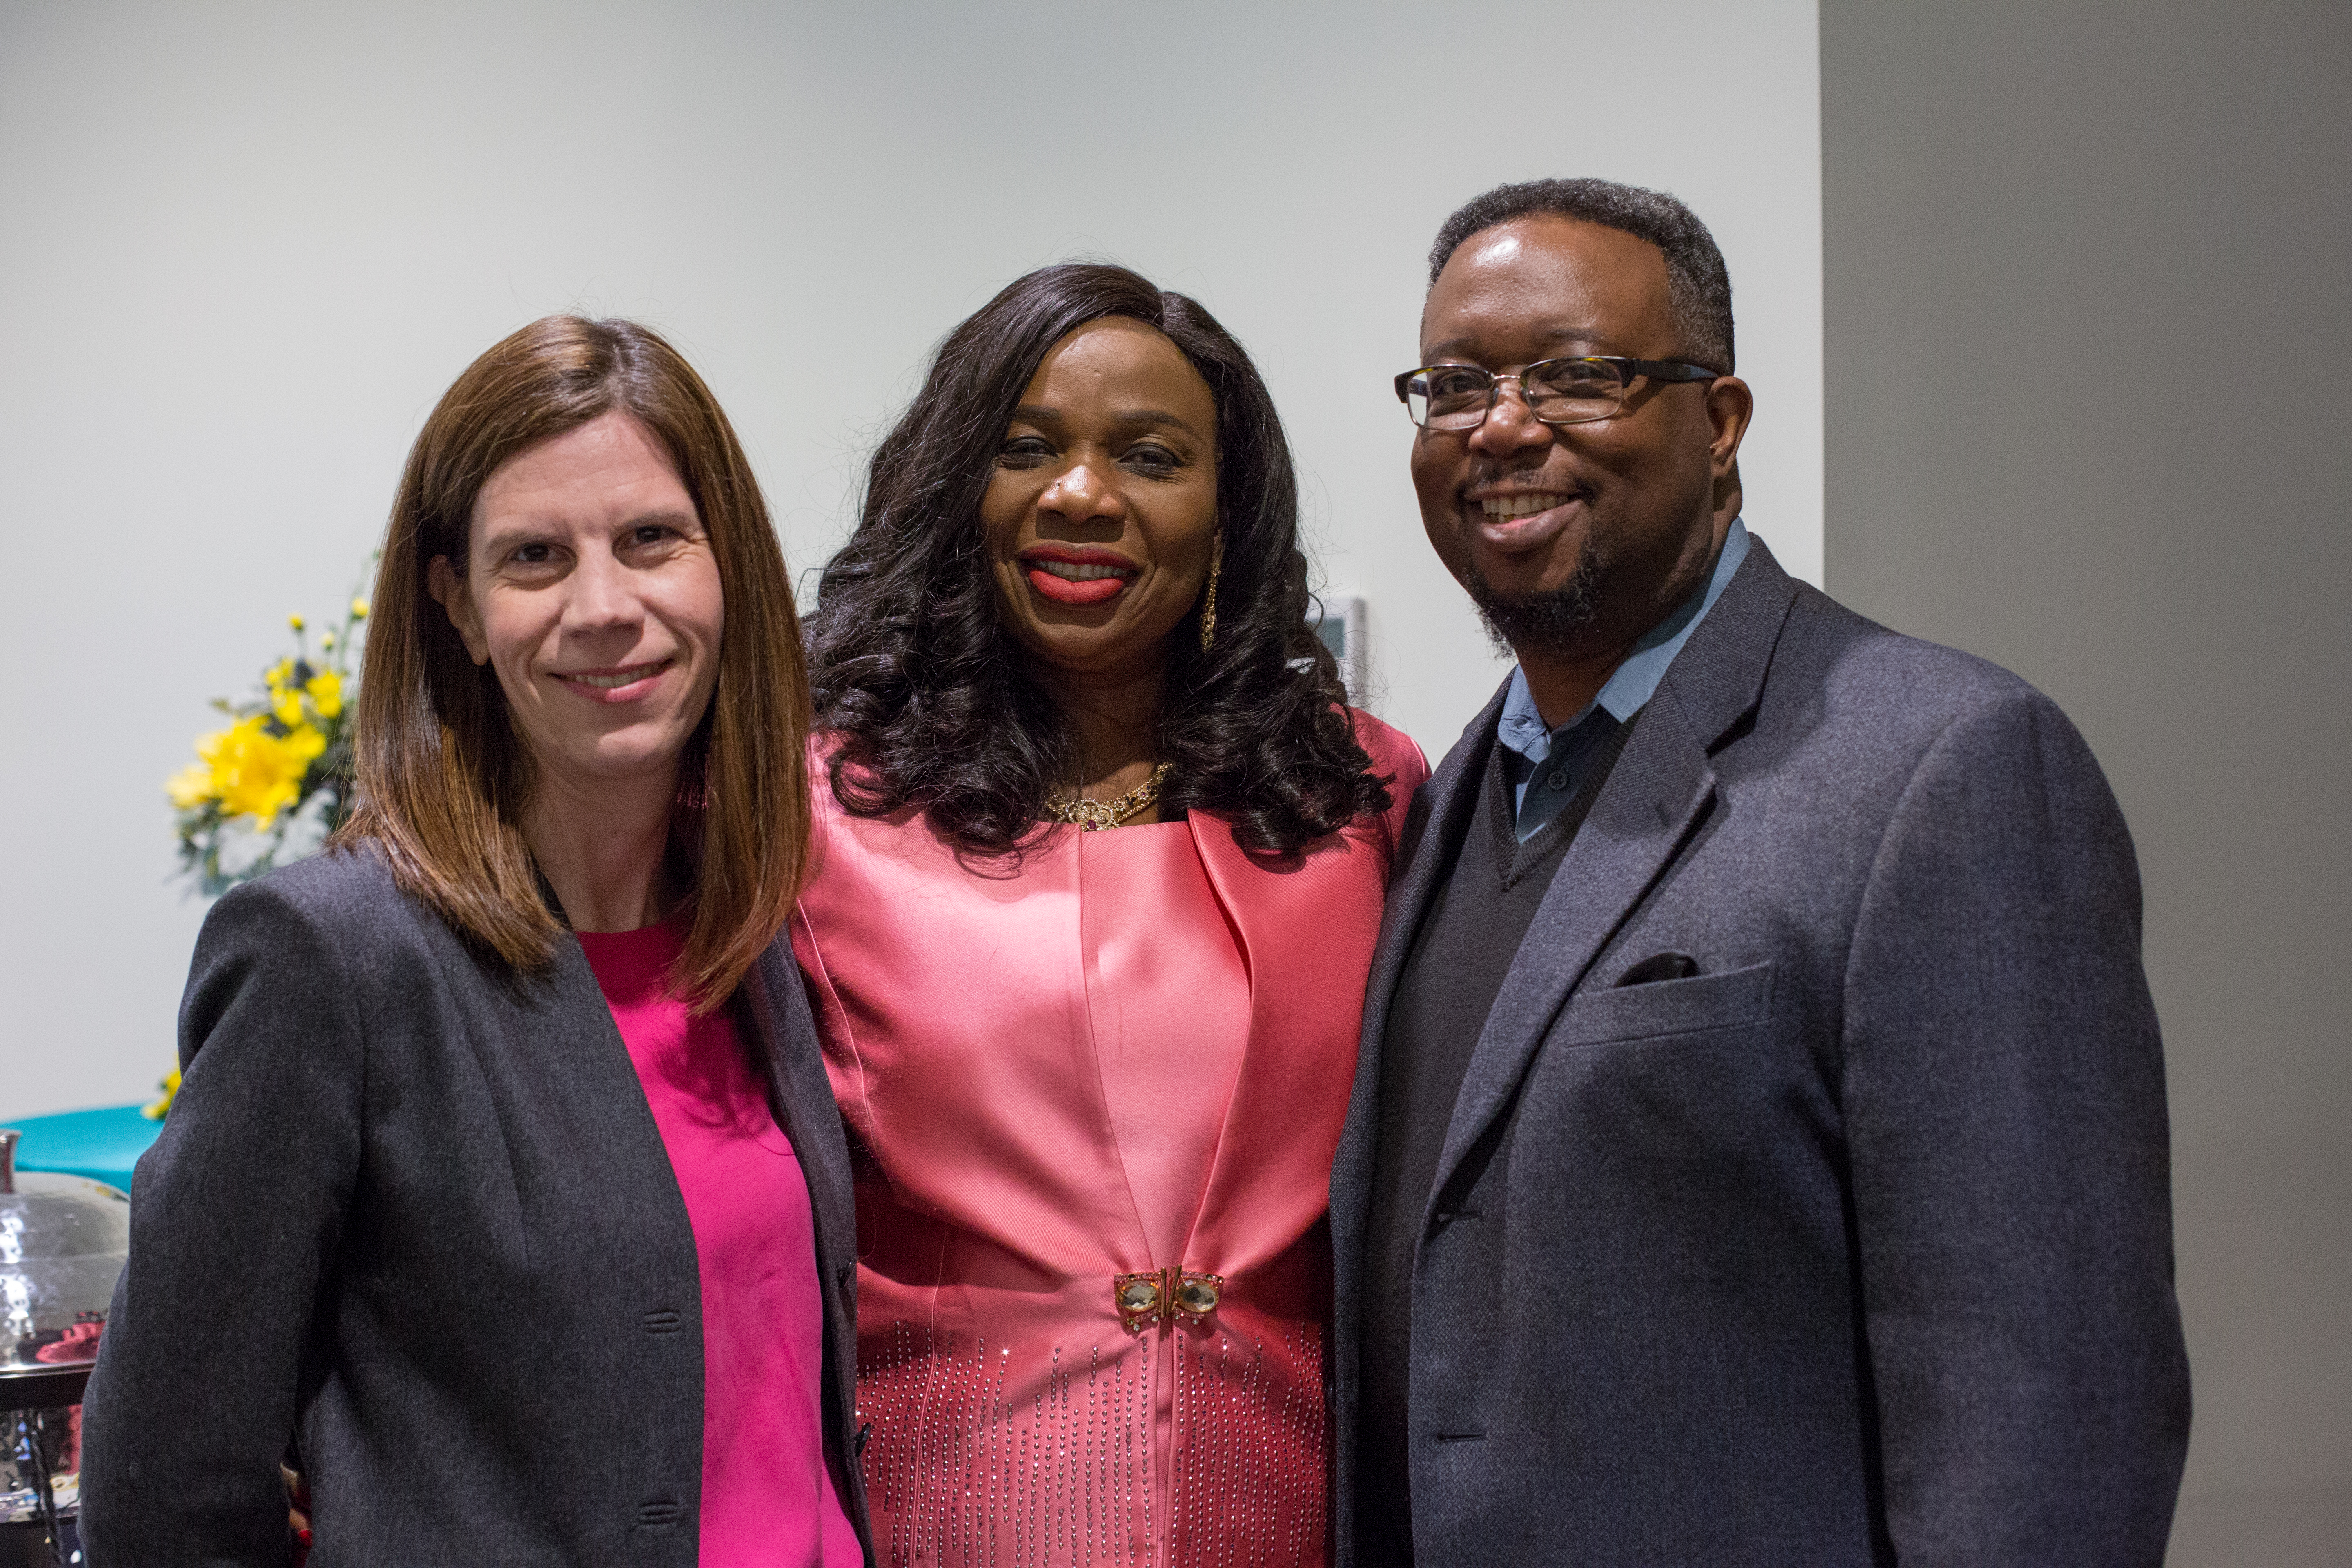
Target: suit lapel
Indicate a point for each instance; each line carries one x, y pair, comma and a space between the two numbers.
1657, 796
775, 1008
1448, 799
1439, 819
784, 1039
1302, 951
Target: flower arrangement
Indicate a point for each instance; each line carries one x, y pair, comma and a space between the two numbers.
167, 1090
277, 780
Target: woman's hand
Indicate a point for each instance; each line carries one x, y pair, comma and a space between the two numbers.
298, 1511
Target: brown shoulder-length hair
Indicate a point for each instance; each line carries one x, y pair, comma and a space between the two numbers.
443, 779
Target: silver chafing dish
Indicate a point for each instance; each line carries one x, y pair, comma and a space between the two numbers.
62, 1243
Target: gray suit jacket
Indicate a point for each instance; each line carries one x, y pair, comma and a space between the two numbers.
1855, 1248
413, 1213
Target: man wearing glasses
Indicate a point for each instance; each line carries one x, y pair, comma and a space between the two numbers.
1758, 1154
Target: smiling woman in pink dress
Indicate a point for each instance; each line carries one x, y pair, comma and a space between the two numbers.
1095, 890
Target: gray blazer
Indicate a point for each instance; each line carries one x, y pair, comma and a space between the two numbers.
413, 1214
1855, 1248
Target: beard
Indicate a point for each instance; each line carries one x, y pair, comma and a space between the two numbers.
1555, 623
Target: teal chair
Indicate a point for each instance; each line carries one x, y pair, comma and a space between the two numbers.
100, 1145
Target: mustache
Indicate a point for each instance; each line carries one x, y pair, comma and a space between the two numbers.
1529, 476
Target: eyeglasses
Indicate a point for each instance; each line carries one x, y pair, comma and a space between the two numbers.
1556, 391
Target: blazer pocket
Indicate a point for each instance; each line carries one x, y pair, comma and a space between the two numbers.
1735, 999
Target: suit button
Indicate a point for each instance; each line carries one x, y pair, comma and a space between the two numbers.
1556, 780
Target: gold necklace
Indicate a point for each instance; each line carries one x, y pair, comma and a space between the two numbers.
1094, 815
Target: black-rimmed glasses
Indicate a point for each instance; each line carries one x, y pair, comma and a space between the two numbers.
1556, 391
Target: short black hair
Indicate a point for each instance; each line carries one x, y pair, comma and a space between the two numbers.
1698, 286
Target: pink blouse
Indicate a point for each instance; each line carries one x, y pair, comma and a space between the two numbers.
767, 1496
1129, 1055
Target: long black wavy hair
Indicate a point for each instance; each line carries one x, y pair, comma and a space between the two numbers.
909, 663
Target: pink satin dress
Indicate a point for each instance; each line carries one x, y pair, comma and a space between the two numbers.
1130, 1057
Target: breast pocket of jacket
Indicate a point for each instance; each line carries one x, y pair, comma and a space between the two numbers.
1657, 1094
1663, 1109
1664, 1009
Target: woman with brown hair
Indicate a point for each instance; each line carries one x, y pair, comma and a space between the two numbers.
504, 1196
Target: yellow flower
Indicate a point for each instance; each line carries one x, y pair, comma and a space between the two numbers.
326, 689
358, 609
285, 697
169, 1085
326, 642
192, 785
294, 622
255, 774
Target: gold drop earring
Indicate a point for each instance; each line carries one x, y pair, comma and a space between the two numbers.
1209, 603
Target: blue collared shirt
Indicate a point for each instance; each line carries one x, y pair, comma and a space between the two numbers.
1545, 766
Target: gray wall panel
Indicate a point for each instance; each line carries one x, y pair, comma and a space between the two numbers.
2086, 269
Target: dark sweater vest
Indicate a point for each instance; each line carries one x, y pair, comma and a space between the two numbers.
1486, 897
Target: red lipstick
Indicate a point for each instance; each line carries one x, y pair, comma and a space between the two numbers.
1106, 574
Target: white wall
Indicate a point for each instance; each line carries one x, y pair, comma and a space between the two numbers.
247, 246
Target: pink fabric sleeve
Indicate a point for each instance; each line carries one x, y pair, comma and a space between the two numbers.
1397, 757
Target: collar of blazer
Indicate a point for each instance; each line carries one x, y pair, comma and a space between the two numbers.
783, 1041
1654, 796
